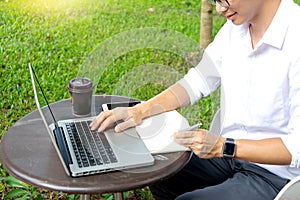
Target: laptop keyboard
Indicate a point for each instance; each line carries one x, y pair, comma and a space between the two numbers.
90, 147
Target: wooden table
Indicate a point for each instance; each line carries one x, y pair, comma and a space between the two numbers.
27, 153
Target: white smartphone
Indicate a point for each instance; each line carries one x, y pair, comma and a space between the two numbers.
112, 105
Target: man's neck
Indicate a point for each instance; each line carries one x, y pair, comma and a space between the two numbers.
259, 25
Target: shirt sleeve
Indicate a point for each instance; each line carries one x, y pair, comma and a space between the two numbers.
201, 80
291, 140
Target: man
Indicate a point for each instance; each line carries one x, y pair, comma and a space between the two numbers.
255, 54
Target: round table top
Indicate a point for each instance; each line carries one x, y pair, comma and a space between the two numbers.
26, 152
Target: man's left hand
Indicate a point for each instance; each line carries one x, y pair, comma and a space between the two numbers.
201, 142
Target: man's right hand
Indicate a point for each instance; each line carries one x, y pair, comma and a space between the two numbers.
127, 118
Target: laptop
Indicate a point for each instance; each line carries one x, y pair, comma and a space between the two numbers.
85, 152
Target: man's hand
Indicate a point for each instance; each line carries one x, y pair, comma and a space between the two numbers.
126, 118
201, 142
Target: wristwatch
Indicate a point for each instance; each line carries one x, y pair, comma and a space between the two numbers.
228, 149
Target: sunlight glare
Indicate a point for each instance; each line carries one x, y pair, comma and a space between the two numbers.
54, 5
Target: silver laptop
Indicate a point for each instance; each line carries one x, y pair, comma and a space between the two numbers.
83, 151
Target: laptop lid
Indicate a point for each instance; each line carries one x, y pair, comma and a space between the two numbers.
36, 94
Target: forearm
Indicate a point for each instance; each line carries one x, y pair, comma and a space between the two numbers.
267, 151
171, 99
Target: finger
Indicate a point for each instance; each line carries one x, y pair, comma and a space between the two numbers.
108, 121
185, 134
96, 122
187, 142
184, 138
124, 125
100, 119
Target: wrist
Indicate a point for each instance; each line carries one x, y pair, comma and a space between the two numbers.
142, 109
149, 108
220, 146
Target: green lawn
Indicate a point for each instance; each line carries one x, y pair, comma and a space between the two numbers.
61, 38
57, 38
64, 39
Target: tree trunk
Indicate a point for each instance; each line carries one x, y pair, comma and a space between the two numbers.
205, 24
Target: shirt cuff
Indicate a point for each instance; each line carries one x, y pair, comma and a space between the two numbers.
294, 149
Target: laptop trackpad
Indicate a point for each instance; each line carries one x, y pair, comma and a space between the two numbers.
128, 141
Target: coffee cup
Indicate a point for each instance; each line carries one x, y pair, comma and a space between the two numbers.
81, 91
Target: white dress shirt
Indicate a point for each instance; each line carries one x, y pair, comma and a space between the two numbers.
260, 86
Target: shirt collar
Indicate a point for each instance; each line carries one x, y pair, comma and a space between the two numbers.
277, 30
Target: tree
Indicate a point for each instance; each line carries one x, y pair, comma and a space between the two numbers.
205, 24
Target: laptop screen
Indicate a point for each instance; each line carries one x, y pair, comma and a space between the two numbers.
41, 101
47, 113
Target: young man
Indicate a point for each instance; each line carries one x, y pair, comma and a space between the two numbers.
256, 56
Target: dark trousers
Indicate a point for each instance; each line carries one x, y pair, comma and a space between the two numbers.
219, 178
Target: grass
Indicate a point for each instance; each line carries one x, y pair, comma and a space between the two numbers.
60, 39
64, 39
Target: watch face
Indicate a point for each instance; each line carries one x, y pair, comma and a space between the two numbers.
229, 148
